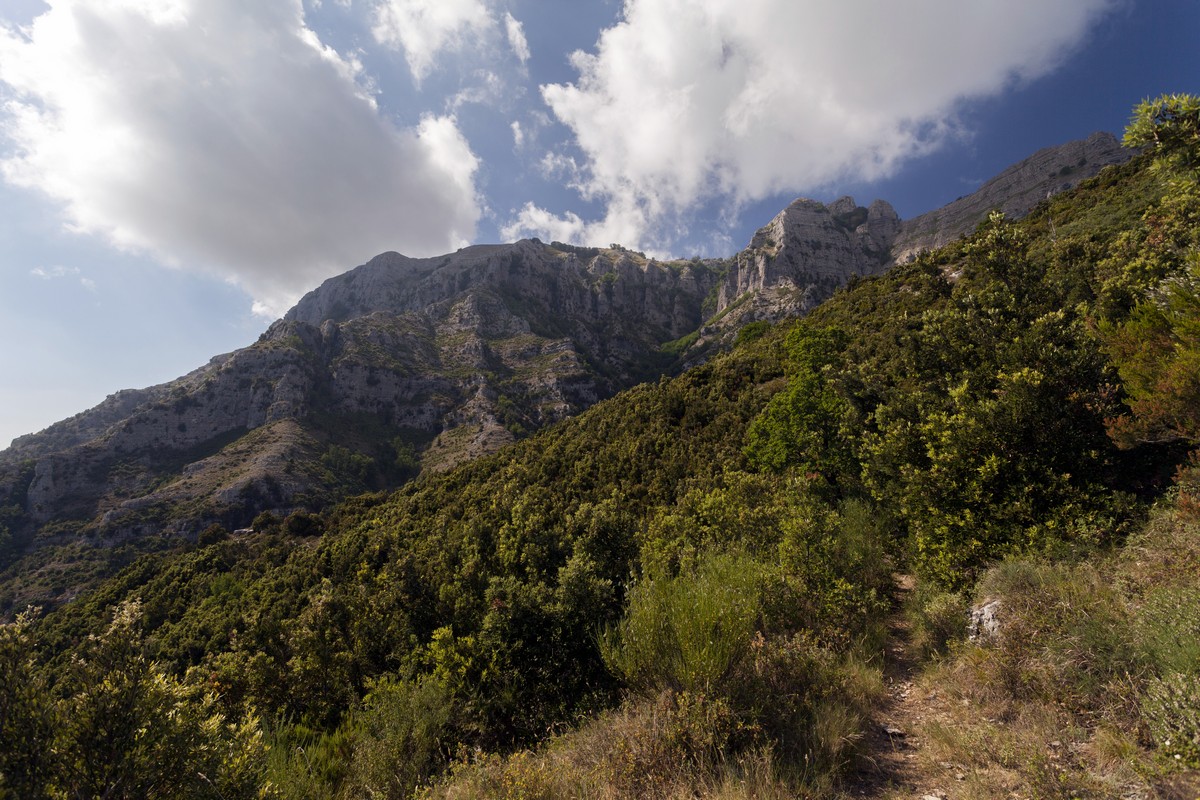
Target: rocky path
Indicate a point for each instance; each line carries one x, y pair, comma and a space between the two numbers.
895, 768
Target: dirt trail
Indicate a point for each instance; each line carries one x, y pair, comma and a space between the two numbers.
893, 769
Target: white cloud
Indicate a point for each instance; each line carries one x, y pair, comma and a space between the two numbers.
518, 134
622, 224
222, 135
516, 37
57, 272
486, 88
425, 28
685, 100
50, 273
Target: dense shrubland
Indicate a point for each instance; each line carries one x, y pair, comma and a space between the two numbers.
684, 590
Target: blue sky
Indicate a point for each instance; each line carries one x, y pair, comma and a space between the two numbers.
175, 173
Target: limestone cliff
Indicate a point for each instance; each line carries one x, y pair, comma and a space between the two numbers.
798, 259
397, 364
405, 364
1015, 191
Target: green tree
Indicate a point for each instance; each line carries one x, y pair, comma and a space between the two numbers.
1170, 124
803, 426
126, 730
1157, 352
1157, 349
27, 758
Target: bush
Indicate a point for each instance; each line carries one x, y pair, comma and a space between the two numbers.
689, 632
213, 534
1171, 709
938, 618
665, 746
806, 704
405, 739
121, 727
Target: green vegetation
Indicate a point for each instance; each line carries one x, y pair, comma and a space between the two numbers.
116, 725
685, 591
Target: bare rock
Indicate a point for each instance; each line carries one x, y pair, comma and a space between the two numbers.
1015, 192
984, 622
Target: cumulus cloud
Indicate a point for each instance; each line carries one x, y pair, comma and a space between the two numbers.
222, 135
425, 28
682, 101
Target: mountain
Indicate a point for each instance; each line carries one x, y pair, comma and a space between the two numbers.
941, 531
404, 364
1015, 191
445, 358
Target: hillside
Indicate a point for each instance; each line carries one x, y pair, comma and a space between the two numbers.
407, 365
686, 590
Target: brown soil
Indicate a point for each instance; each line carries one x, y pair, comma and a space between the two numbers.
892, 768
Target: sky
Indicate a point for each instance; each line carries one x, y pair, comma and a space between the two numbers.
175, 174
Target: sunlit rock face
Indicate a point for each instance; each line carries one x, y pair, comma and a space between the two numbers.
1015, 191
404, 364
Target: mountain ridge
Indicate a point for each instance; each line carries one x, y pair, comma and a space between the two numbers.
405, 362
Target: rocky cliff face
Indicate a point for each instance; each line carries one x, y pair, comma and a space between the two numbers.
802, 257
809, 250
406, 364
398, 361
1015, 191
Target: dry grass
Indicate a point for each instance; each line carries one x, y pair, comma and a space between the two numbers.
672, 746
1054, 706
681, 745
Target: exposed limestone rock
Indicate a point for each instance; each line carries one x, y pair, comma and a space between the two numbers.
984, 620
1015, 191
454, 357
800, 258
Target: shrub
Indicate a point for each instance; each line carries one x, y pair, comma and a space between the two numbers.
405, 738
1171, 708
665, 746
688, 632
804, 703
213, 534
938, 618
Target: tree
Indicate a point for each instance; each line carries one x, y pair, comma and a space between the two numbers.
122, 728
802, 425
26, 716
1157, 349
1170, 124
1157, 352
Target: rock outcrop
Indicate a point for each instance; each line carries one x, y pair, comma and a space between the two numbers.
813, 249
800, 258
1015, 191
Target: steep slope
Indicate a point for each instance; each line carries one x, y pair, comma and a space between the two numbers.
406, 364
437, 359
948, 413
1015, 191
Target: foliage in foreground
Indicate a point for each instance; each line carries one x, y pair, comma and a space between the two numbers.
1088, 688
116, 726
